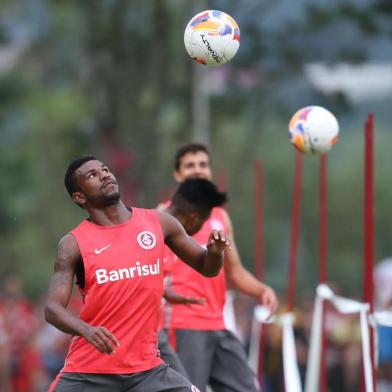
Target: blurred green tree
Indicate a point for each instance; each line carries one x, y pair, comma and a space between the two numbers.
113, 78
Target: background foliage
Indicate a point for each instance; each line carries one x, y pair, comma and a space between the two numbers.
112, 78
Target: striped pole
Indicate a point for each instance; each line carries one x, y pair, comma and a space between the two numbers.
368, 221
323, 262
259, 217
259, 251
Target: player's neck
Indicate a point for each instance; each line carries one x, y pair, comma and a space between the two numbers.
110, 215
173, 211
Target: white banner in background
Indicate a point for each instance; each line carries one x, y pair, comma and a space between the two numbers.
290, 365
382, 318
344, 306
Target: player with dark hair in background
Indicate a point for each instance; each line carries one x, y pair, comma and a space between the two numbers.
191, 205
210, 353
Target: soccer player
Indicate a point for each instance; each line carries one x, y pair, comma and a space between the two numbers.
116, 255
209, 352
191, 205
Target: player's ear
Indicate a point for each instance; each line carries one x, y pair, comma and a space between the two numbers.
177, 176
194, 215
79, 198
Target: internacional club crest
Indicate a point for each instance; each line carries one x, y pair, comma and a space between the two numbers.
146, 239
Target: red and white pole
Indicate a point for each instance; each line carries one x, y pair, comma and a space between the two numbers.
259, 250
295, 229
368, 244
323, 262
258, 221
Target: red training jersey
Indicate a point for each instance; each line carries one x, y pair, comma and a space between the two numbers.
186, 281
123, 290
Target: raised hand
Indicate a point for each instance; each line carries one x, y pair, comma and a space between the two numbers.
218, 242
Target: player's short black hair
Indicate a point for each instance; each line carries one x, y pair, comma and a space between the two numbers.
188, 148
199, 194
69, 179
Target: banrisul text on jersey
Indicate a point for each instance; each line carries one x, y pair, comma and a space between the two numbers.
103, 275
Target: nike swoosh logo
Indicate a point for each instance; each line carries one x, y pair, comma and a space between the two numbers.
99, 251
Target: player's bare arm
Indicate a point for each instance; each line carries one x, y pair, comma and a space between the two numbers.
207, 262
59, 293
179, 299
243, 280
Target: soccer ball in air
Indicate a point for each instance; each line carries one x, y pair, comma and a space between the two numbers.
313, 130
212, 38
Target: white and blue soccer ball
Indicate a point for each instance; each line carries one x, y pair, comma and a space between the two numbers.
212, 38
313, 130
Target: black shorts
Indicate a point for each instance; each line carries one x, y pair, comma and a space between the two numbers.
215, 358
168, 354
160, 379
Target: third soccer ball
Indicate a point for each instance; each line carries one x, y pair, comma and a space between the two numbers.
212, 38
313, 130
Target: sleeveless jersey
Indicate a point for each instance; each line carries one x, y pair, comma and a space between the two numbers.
123, 290
188, 282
